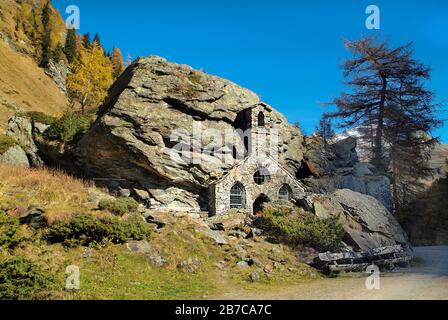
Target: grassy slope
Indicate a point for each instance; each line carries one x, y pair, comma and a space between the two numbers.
25, 87
115, 273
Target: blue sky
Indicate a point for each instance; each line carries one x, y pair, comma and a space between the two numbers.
288, 52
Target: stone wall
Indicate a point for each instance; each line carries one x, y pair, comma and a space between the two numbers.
244, 174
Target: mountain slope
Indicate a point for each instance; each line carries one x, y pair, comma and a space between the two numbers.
21, 26
25, 87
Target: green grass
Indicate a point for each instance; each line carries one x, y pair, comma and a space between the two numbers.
128, 276
118, 206
10, 235
92, 231
22, 279
38, 117
6, 142
293, 227
111, 271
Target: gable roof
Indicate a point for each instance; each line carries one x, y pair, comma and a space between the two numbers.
246, 159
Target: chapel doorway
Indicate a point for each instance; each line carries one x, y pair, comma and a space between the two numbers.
258, 204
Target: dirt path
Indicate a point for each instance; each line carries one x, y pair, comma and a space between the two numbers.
428, 280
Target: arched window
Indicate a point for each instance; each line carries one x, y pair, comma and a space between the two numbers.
261, 119
262, 176
285, 193
237, 196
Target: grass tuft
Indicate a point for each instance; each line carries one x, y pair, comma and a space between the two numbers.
6, 142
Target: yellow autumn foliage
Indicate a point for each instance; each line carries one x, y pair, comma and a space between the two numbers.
91, 77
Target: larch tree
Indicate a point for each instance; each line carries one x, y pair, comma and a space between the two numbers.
97, 39
324, 129
91, 77
86, 41
388, 95
79, 43
117, 62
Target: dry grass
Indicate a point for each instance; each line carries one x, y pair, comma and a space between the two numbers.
61, 195
25, 87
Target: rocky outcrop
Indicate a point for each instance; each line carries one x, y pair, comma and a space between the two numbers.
338, 168
367, 223
21, 129
58, 71
151, 101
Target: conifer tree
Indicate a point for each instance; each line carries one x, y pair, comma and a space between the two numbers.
86, 41
324, 129
70, 45
388, 95
117, 62
97, 39
46, 41
58, 53
376, 73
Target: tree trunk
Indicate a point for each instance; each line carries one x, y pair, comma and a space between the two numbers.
378, 149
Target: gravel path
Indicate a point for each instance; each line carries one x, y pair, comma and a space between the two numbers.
427, 280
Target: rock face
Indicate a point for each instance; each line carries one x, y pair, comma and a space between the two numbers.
58, 71
367, 223
152, 100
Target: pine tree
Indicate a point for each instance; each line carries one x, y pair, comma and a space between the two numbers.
91, 77
70, 45
117, 62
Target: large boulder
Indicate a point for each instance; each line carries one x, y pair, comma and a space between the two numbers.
153, 99
367, 223
15, 156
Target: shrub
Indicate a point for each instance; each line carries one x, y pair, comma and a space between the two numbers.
9, 231
70, 127
88, 230
21, 279
6, 142
40, 117
119, 206
294, 228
